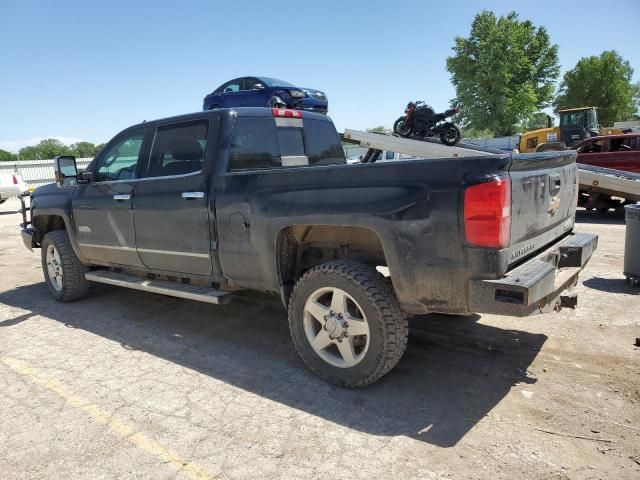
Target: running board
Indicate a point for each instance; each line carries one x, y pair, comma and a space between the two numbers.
172, 289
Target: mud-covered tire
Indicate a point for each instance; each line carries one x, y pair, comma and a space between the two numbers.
74, 284
388, 326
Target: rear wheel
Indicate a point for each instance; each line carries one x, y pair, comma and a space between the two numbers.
63, 271
450, 135
346, 323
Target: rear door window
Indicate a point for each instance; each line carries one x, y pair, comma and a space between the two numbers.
258, 144
232, 86
622, 144
178, 149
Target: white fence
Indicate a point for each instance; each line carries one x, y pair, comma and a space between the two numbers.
36, 172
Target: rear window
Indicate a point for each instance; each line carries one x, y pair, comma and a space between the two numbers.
259, 144
322, 143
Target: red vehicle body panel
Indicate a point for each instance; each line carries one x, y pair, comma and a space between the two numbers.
620, 152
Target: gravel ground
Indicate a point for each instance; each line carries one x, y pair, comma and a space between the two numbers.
128, 384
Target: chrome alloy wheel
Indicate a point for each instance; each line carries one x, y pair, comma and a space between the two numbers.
336, 327
54, 267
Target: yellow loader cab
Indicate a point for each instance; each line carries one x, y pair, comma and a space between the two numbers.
576, 124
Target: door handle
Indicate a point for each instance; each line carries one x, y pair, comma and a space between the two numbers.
554, 183
121, 197
192, 195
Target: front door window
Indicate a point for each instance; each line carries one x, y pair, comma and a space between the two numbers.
120, 161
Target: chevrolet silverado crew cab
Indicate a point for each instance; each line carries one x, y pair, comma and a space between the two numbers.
206, 204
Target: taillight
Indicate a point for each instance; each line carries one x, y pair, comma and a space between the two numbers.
286, 113
15, 180
487, 213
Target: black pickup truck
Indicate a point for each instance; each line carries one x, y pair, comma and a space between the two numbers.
202, 205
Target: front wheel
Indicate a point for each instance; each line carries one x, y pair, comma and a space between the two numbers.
450, 134
346, 323
400, 127
63, 271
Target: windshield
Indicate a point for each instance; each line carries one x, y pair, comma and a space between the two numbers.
584, 118
274, 82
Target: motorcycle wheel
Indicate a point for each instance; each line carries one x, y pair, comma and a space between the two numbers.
450, 135
399, 127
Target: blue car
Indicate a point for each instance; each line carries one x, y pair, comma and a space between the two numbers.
265, 92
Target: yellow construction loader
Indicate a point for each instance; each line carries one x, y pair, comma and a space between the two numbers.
575, 124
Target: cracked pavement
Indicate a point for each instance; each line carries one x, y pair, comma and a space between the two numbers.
127, 384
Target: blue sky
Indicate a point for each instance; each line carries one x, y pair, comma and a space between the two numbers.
85, 69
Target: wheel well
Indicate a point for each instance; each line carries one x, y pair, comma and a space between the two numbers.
43, 224
301, 247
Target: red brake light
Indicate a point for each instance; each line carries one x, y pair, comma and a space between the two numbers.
487, 213
15, 180
286, 113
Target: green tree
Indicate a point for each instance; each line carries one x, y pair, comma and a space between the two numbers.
599, 81
7, 156
503, 72
83, 149
379, 129
48, 148
534, 122
476, 133
636, 98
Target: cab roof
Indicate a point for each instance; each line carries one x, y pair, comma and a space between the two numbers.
239, 111
576, 109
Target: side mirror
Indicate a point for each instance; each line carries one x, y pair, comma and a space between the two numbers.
66, 171
258, 86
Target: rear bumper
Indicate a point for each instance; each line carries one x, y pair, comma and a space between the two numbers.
538, 285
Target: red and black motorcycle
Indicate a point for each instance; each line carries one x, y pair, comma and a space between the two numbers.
420, 120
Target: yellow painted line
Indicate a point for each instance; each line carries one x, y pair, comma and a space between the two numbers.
102, 416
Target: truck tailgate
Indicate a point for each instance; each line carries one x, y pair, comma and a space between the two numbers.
544, 192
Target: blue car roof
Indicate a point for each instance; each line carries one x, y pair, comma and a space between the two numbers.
271, 81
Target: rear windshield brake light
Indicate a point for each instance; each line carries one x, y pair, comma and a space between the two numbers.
286, 113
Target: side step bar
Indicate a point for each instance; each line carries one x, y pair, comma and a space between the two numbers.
172, 289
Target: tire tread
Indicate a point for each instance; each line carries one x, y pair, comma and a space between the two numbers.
378, 290
74, 285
